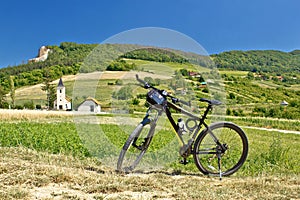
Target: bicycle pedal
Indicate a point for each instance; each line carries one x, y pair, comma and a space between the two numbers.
184, 161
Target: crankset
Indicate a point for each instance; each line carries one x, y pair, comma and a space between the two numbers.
185, 150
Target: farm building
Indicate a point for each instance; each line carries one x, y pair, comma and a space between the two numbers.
90, 105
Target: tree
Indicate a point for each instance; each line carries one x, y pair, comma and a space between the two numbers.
29, 105
201, 79
12, 90
2, 98
228, 111
119, 82
149, 80
52, 96
157, 81
184, 72
123, 94
49, 89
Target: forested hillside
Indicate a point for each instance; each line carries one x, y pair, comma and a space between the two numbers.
68, 56
154, 54
64, 59
259, 61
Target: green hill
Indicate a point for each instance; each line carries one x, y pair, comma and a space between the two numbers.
67, 59
256, 82
263, 61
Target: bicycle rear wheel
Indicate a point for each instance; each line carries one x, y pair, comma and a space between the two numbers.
135, 147
211, 158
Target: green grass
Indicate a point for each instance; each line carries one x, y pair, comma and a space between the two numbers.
54, 158
51, 137
265, 84
295, 87
234, 73
270, 152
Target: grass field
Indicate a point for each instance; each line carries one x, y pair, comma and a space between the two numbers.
28, 174
234, 73
49, 157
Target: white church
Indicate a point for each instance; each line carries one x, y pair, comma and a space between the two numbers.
62, 102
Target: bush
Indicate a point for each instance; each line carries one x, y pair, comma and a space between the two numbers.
123, 94
29, 105
235, 113
205, 90
135, 101
38, 107
19, 107
228, 111
119, 82
231, 96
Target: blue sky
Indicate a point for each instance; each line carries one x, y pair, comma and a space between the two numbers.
218, 25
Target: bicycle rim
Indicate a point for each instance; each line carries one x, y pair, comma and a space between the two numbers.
205, 149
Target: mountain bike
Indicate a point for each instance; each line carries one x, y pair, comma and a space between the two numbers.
220, 149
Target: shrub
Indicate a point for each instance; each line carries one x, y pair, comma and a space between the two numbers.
38, 107
119, 82
228, 111
135, 101
29, 105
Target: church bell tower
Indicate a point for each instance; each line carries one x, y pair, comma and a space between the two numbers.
61, 96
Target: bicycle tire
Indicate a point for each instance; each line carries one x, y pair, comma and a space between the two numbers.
205, 149
130, 151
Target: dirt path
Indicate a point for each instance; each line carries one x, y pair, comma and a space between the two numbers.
272, 129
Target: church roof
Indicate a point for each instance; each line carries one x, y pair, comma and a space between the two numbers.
60, 83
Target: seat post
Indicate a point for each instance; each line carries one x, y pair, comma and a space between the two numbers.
209, 107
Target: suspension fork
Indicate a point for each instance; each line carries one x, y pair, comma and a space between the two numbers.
147, 120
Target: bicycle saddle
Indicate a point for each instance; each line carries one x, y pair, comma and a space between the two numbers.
211, 102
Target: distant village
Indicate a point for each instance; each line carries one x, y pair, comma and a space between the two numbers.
62, 102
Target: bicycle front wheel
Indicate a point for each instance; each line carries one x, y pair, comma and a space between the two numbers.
135, 147
221, 149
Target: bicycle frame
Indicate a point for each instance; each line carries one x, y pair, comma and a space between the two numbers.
165, 108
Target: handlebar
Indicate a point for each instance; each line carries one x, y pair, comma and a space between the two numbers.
187, 103
146, 84
162, 92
